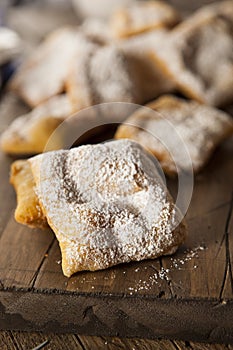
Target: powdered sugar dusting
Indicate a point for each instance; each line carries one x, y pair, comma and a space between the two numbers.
109, 69
197, 127
163, 274
107, 205
198, 54
43, 74
101, 75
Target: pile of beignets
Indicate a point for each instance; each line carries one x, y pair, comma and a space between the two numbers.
107, 203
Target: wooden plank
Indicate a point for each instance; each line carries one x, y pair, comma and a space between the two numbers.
22, 252
25, 340
117, 316
196, 346
209, 211
200, 346
227, 287
7, 341
96, 343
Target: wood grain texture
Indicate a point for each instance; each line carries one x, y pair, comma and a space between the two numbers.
95, 343
23, 340
7, 341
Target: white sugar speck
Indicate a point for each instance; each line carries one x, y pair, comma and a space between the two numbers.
162, 274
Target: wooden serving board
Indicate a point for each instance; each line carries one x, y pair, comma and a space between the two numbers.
188, 296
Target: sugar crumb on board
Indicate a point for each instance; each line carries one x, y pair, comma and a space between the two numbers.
162, 274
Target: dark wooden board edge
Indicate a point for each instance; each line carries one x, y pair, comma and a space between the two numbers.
121, 316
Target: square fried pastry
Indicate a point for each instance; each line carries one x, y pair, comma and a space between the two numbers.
179, 133
28, 134
44, 72
141, 17
197, 54
107, 204
123, 72
101, 74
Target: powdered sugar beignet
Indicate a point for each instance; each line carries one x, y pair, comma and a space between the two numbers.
43, 74
197, 54
170, 119
101, 74
29, 133
107, 205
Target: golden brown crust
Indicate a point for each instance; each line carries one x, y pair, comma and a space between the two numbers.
29, 134
28, 211
37, 142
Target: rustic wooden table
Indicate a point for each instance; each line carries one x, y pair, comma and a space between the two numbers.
27, 341
188, 296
